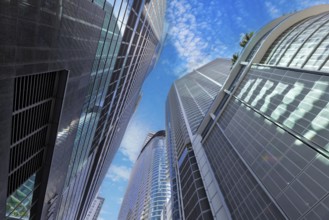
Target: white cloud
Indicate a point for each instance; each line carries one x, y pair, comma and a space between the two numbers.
278, 8
165, 62
272, 9
309, 3
240, 22
104, 211
134, 138
120, 200
188, 25
118, 173
240, 6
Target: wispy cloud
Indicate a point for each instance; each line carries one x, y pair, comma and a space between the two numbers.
277, 8
240, 22
104, 214
240, 6
134, 138
165, 62
189, 22
120, 200
118, 173
272, 9
309, 3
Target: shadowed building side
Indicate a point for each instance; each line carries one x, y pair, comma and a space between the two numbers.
70, 75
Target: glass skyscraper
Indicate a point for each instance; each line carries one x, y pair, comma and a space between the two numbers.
149, 186
71, 73
95, 209
262, 148
188, 102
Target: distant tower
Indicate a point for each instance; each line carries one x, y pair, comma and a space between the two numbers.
149, 187
95, 208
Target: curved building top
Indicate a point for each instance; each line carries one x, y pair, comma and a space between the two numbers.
150, 137
271, 116
298, 43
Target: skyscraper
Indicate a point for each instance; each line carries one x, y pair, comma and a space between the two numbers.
71, 72
262, 149
188, 102
95, 209
149, 187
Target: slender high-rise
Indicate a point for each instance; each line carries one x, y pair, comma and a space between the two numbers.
70, 79
189, 100
149, 187
262, 148
95, 209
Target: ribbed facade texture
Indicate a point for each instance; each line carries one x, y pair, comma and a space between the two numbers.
95, 209
262, 148
188, 102
70, 79
149, 186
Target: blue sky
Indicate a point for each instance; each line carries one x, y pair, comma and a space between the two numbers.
199, 31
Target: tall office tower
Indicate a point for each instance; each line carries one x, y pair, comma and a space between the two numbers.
71, 72
188, 102
95, 209
149, 186
263, 147
167, 210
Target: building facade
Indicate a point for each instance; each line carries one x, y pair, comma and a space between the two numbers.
149, 187
188, 101
262, 149
95, 208
71, 73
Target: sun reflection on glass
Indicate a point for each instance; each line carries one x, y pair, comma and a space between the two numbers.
280, 87
262, 92
245, 87
253, 88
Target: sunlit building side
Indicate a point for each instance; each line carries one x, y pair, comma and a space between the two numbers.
263, 147
188, 101
149, 186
